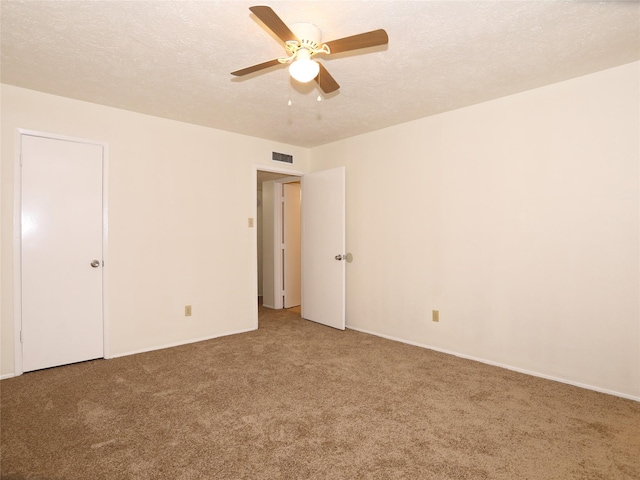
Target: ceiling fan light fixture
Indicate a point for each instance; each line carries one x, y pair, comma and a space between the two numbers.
304, 69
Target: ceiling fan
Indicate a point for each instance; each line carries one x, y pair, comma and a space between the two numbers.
302, 42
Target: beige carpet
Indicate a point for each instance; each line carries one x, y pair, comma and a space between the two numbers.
298, 400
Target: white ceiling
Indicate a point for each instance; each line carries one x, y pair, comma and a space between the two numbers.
173, 58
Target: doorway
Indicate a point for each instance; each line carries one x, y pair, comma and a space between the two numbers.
278, 239
323, 228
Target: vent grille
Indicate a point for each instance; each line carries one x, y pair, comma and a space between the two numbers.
282, 157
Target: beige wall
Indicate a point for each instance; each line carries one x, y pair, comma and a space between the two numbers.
517, 219
179, 199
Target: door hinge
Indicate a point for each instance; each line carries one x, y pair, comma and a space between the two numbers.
21, 337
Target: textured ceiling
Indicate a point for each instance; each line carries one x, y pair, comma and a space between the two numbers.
173, 58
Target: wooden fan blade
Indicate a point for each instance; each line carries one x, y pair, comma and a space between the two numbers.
363, 40
273, 22
325, 81
255, 68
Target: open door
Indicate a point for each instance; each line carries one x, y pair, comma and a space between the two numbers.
323, 247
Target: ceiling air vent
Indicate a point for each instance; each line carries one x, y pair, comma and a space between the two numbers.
282, 157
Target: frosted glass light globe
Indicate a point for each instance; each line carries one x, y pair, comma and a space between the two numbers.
304, 70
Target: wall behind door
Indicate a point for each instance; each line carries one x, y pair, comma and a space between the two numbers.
175, 238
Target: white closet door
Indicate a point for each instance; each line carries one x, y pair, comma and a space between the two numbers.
61, 236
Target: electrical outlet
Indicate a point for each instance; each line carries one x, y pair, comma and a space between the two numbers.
435, 315
187, 310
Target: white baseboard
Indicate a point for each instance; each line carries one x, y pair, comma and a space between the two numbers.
177, 344
501, 365
395, 339
162, 347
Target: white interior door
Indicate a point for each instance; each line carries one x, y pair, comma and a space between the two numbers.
291, 252
61, 254
323, 247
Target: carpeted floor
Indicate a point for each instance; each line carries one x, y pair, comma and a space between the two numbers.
298, 400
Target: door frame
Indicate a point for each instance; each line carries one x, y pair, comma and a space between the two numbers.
17, 239
283, 171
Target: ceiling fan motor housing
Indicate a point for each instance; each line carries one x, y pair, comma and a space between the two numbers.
308, 34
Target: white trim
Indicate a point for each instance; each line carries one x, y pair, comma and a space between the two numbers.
501, 365
106, 339
185, 342
17, 254
17, 239
278, 274
7, 375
